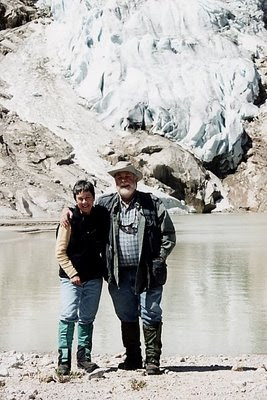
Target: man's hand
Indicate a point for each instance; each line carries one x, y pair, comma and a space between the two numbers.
76, 280
66, 215
159, 270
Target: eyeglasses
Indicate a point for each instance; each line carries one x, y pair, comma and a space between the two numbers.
130, 229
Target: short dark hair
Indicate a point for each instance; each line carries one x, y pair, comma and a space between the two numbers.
83, 186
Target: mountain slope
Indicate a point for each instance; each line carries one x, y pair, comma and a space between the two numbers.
50, 137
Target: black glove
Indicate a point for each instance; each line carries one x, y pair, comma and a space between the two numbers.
159, 271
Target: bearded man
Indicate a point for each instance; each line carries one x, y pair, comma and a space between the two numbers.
142, 235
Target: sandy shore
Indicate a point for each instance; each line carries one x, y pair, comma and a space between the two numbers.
32, 376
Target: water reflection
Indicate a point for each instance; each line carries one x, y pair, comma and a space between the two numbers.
215, 299
219, 271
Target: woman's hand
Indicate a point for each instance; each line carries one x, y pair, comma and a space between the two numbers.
75, 280
66, 215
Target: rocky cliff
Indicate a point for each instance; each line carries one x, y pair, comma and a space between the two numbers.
40, 160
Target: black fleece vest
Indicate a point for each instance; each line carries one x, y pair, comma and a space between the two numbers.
86, 248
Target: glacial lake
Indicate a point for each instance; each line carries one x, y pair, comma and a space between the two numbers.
214, 302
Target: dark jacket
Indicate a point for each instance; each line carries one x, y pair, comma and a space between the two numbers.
156, 236
87, 245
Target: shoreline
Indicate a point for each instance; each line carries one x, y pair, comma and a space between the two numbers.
28, 225
32, 376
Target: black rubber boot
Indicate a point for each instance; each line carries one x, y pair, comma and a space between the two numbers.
152, 336
64, 362
131, 341
84, 361
85, 333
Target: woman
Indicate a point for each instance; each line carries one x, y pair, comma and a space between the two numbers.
80, 250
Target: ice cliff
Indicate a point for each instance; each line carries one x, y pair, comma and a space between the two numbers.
182, 69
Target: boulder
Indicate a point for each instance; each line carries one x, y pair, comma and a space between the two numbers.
165, 165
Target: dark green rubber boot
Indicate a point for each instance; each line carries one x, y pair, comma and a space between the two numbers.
153, 344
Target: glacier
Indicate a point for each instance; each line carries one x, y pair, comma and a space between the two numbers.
181, 69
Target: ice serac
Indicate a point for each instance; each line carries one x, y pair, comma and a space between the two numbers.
182, 69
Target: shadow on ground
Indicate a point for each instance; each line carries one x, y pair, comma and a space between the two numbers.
204, 368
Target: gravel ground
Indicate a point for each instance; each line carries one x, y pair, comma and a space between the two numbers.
32, 376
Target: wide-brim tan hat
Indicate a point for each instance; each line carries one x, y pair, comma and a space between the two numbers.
125, 166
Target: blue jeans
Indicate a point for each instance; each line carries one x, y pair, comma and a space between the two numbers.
79, 303
130, 306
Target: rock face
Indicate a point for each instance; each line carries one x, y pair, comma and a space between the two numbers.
247, 187
37, 171
183, 69
37, 167
14, 13
165, 166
